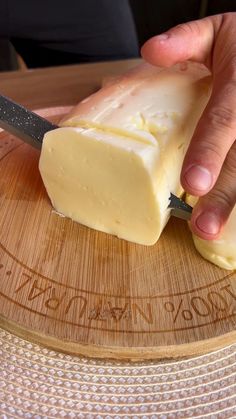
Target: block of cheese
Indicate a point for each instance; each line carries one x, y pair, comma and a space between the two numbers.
221, 252
115, 159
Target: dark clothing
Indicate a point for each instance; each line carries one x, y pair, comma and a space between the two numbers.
153, 17
54, 32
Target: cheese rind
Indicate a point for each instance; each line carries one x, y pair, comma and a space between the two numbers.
119, 153
222, 251
145, 102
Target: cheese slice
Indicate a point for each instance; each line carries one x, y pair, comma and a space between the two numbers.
118, 155
222, 251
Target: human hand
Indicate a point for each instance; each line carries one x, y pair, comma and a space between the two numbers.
209, 168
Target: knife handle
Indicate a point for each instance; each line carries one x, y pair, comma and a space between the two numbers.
23, 123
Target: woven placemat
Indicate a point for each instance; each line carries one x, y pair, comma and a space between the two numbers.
36, 382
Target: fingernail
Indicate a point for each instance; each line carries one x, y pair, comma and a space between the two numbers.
163, 37
208, 222
197, 177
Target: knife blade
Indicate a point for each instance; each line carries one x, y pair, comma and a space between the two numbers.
31, 128
179, 208
24, 124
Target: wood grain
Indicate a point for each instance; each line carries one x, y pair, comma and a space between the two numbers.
64, 85
86, 292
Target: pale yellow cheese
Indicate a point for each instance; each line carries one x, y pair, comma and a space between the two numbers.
119, 153
147, 102
222, 251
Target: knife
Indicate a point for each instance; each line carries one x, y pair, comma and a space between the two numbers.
22, 123
179, 208
31, 128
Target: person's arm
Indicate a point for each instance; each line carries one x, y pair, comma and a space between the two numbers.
209, 168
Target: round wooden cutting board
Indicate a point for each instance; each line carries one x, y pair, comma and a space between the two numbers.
86, 292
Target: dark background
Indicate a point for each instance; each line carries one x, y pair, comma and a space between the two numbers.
151, 17
155, 16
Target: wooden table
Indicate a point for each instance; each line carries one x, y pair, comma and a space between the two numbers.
56, 86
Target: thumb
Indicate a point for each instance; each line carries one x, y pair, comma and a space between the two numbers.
188, 41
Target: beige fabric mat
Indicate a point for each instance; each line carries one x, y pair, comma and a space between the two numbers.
36, 382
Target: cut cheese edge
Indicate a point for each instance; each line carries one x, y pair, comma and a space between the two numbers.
222, 251
118, 155
102, 181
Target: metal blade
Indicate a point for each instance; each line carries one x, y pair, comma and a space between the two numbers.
179, 208
23, 123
